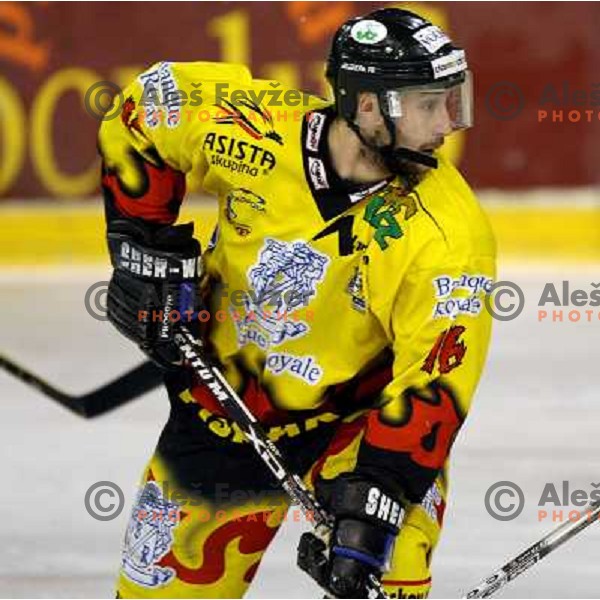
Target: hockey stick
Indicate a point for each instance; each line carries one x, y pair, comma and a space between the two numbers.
512, 569
191, 349
129, 386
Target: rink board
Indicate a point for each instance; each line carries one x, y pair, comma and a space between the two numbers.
553, 225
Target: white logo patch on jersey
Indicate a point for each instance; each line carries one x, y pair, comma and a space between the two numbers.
450, 305
161, 92
315, 129
302, 367
433, 503
149, 538
316, 168
356, 289
358, 196
284, 278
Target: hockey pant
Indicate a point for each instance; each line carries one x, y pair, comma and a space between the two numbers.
207, 510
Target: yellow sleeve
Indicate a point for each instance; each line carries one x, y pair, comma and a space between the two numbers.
155, 142
440, 331
187, 107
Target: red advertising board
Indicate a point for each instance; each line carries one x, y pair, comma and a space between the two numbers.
536, 85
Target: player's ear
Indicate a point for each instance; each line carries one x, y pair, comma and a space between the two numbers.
367, 111
367, 102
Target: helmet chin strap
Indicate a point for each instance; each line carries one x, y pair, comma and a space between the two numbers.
399, 154
393, 157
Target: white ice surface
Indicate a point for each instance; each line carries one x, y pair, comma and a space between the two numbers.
534, 420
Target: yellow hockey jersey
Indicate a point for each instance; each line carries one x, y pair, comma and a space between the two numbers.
327, 298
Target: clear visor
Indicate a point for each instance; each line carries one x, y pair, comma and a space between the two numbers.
434, 104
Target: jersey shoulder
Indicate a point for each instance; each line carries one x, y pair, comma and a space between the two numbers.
439, 224
226, 86
453, 214
186, 111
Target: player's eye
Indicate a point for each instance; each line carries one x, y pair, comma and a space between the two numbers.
430, 104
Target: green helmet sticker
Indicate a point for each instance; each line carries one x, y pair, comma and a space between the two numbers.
368, 32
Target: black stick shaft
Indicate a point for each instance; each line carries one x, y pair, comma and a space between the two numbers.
550, 542
265, 448
129, 386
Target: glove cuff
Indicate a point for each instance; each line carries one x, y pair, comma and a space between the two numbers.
150, 264
166, 254
378, 562
355, 498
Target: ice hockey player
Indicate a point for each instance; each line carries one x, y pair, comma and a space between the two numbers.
342, 297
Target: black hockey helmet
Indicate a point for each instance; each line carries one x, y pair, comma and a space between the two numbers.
389, 52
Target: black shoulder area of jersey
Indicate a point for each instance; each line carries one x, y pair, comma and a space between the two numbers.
333, 195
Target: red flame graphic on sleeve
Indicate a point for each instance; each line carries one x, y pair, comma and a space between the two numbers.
428, 432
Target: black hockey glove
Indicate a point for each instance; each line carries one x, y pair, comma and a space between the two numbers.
367, 521
154, 284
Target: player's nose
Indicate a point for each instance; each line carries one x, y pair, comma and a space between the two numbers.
444, 123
